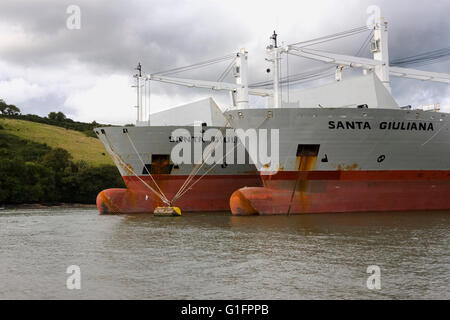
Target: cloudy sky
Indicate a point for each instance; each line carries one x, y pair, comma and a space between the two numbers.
86, 73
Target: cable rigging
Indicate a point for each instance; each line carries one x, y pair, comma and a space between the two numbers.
195, 65
429, 57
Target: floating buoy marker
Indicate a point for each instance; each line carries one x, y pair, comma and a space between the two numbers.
167, 212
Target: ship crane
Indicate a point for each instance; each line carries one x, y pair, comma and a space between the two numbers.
379, 64
367, 64
240, 91
213, 85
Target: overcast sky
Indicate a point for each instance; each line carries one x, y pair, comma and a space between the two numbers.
86, 73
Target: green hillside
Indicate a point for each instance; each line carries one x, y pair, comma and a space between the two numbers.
80, 146
41, 163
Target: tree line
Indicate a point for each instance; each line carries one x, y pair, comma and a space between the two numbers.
8, 109
53, 118
32, 172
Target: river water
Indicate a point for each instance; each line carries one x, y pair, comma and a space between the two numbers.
218, 256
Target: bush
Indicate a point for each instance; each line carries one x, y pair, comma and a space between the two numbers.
58, 159
84, 185
34, 173
90, 133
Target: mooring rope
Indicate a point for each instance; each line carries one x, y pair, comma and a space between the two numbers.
434, 135
209, 170
198, 166
119, 159
185, 186
145, 167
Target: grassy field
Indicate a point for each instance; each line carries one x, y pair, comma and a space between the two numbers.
78, 144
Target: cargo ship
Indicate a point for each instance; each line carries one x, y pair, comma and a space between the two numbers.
346, 146
142, 153
401, 162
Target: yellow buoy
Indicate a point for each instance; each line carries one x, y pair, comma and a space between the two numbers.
167, 212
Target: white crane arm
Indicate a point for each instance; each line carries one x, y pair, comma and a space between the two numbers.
419, 74
358, 62
339, 59
213, 85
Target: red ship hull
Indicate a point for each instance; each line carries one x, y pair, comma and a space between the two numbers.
211, 193
345, 191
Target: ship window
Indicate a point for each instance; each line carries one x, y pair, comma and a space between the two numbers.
310, 150
160, 164
147, 168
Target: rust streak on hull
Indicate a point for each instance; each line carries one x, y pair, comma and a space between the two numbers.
353, 191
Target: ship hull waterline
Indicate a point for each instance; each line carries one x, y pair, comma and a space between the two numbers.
211, 193
338, 192
349, 160
142, 154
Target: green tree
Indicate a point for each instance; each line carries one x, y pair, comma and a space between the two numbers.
32, 172
8, 109
52, 115
12, 110
11, 185
60, 116
3, 106
58, 159
39, 183
57, 116
26, 182
89, 181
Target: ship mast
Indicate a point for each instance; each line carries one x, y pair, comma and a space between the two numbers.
379, 48
138, 77
275, 52
239, 91
241, 75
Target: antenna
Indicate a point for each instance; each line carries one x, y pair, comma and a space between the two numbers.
273, 48
139, 68
138, 92
274, 38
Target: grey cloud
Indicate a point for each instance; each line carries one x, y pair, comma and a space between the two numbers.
115, 35
44, 105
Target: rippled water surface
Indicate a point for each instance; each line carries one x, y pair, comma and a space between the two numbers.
218, 256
